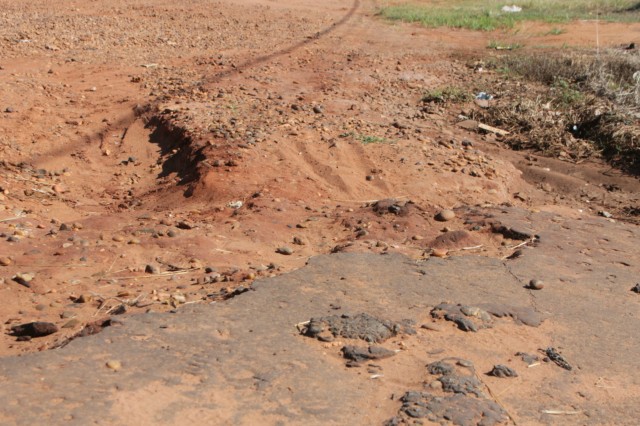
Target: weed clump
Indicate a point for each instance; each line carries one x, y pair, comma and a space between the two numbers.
584, 104
446, 94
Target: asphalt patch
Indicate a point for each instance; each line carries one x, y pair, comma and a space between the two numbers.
502, 371
360, 354
467, 318
474, 318
361, 326
462, 400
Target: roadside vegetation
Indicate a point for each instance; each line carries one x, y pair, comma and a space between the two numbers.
488, 15
365, 139
446, 94
570, 104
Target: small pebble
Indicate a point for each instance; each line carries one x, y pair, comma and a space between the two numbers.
5, 261
536, 284
71, 323
432, 327
23, 279
445, 215
115, 365
285, 250
84, 298
439, 252
152, 269
180, 298
59, 189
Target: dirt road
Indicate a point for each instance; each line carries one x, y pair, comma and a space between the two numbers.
157, 154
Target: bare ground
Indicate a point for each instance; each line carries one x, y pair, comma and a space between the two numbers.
199, 138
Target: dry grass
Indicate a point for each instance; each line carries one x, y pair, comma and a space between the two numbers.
577, 105
611, 74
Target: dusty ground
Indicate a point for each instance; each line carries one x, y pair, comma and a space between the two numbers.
155, 154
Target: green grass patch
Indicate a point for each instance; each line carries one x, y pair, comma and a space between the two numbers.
497, 45
567, 93
487, 15
446, 94
556, 31
365, 139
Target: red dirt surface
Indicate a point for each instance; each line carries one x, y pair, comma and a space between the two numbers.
131, 131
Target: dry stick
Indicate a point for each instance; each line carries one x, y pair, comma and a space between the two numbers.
111, 309
524, 243
509, 387
124, 302
120, 270
11, 218
117, 299
58, 266
44, 192
468, 248
495, 397
368, 201
161, 274
37, 182
111, 266
561, 413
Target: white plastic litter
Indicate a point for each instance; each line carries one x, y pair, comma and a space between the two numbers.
484, 96
511, 9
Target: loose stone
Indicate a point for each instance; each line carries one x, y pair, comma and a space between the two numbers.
152, 269
445, 215
536, 284
285, 250
71, 323
23, 279
502, 371
34, 329
115, 365
439, 252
